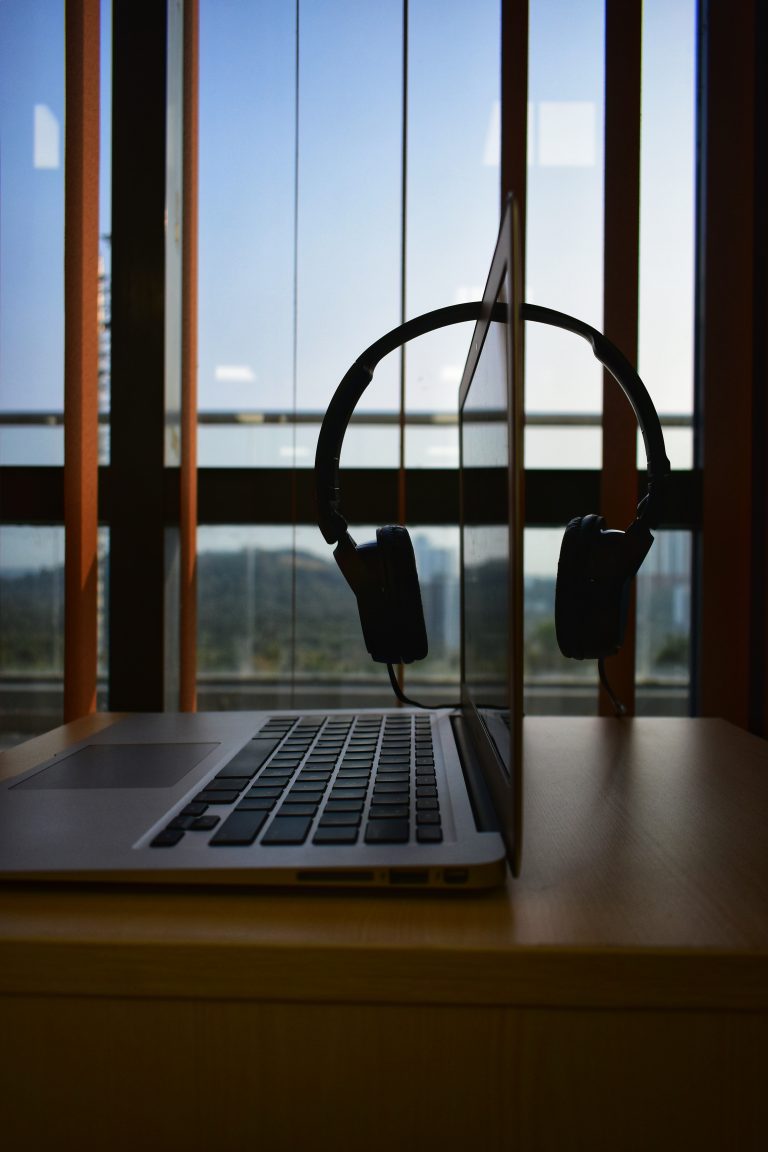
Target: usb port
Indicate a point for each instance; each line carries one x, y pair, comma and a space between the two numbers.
455, 875
408, 875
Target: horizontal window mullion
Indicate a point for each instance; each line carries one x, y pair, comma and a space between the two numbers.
31, 495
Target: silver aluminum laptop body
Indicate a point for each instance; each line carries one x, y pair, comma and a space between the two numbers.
100, 811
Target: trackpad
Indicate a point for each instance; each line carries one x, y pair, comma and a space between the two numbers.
121, 766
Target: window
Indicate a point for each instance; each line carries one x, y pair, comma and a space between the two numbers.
348, 181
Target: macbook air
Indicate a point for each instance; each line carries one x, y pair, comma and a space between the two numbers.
400, 797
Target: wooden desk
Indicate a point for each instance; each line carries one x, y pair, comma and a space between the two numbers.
614, 997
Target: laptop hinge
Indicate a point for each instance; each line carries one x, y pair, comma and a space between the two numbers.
479, 796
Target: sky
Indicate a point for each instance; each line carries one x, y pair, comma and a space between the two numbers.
300, 207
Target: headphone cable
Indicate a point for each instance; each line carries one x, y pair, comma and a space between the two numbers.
406, 699
619, 708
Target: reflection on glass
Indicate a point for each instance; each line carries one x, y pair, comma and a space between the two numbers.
555, 685
485, 526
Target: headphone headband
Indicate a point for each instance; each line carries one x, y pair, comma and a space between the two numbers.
346, 397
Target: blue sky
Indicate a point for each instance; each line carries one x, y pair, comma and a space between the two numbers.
349, 155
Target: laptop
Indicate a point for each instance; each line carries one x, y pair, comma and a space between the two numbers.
400, 797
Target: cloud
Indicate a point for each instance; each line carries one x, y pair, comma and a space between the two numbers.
567, 134
235, 374
46, 138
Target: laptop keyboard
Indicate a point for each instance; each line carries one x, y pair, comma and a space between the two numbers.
324, 779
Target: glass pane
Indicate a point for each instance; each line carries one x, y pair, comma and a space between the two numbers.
453, 196
553, 684
557, 446
349, 194
557, 686
678, 441
437, 563
285, 445
244, 627
31, 221
432, 445
246, 205
564, 240
664, 626
329, 639
667, 208
40, 442
31, 630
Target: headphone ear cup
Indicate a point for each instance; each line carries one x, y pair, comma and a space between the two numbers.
594, 578
403, 610
569, 590
592, 590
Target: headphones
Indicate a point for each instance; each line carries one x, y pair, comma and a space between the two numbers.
596, 564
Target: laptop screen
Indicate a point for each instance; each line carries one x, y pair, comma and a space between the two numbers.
491, 537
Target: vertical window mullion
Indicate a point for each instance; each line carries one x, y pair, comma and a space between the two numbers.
137, 566
188, 494
81, 356
623, 29
514, 107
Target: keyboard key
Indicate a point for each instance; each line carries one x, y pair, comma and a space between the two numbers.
222, 782
429, 835
289, 809
386, 832
341, 792
213, 797
303, 785
204, 823
388, 812
296, 796
249, 759
344, 805
326, 835
240, 828
261, 792
182, 823
380, 787
426, 805
193, 809
427, 817
256, 804
288, 830
426, 793
340, 819
167, 838
399, 797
